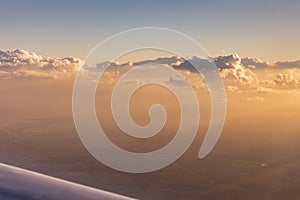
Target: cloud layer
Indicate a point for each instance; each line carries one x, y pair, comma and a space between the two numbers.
24, 64
238, 73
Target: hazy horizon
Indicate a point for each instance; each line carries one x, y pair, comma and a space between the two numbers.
85, 85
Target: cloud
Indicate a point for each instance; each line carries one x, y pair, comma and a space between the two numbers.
254, 99
234, 72
254, 63
282, 81
286, 80
171, 61
24, 64
287, 64
177, 81
239, 74
134, 81
230, 67
228, 61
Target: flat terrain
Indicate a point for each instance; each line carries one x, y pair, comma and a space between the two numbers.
257, 156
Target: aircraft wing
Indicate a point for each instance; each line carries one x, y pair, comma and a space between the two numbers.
21, 184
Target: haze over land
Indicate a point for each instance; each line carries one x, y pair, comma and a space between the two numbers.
256, 156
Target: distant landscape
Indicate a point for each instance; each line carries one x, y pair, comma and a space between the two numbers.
257, 156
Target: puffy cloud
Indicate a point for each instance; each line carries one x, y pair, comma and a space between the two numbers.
228, 61
230, 67
286, 80
232, 70
254, 63
282, 81
24, 64
238, 73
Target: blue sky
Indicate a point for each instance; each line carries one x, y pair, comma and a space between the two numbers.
264, 29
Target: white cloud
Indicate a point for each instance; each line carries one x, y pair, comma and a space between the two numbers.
24, 64
234, 72
230, 67
238, 73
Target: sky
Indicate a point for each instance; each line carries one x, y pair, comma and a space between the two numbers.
268, 30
